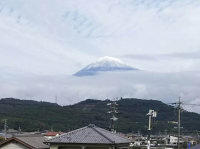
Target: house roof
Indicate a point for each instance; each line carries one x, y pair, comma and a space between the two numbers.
32, 142
89, 135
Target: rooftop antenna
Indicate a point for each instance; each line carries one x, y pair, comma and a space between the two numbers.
113, 111
151, 114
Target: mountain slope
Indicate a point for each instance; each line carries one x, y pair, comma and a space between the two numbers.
104, 64
32, 115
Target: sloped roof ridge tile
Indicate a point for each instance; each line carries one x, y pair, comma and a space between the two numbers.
94, 128
56, 137
114, 133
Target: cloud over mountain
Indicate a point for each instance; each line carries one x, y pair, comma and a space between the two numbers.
70, 89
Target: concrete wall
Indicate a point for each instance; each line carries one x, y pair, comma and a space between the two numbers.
13, 146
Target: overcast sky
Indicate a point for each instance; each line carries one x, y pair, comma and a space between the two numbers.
41, 41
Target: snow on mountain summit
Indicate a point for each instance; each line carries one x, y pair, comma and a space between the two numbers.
104, 64
107, 62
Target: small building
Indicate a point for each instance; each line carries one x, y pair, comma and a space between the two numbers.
174, 140
24, 142
89, 137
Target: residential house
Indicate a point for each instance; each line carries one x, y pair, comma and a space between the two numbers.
24, 142
89, 137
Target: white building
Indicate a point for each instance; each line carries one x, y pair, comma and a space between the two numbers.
174, 140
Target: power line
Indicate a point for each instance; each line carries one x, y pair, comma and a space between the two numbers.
183, 103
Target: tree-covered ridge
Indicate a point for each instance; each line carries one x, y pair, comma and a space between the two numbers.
33, 115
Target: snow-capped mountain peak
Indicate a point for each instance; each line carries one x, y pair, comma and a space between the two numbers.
107, 62
104, 64
108, 58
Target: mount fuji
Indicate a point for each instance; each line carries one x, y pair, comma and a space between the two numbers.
104, 64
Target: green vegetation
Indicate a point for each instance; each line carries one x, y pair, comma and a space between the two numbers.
33, 115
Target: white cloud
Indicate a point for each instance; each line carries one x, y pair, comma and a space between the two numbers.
82, 30
41, 39
140, 84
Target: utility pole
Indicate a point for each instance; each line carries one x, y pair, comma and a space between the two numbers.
179, 108
179, 103
151, 114
179, 121
113, 111
5, 128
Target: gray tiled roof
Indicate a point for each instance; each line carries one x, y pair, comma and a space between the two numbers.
34, 141
90, 135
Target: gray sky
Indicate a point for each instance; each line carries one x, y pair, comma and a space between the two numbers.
43, 43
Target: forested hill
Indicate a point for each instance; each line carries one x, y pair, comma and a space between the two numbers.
33, 115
